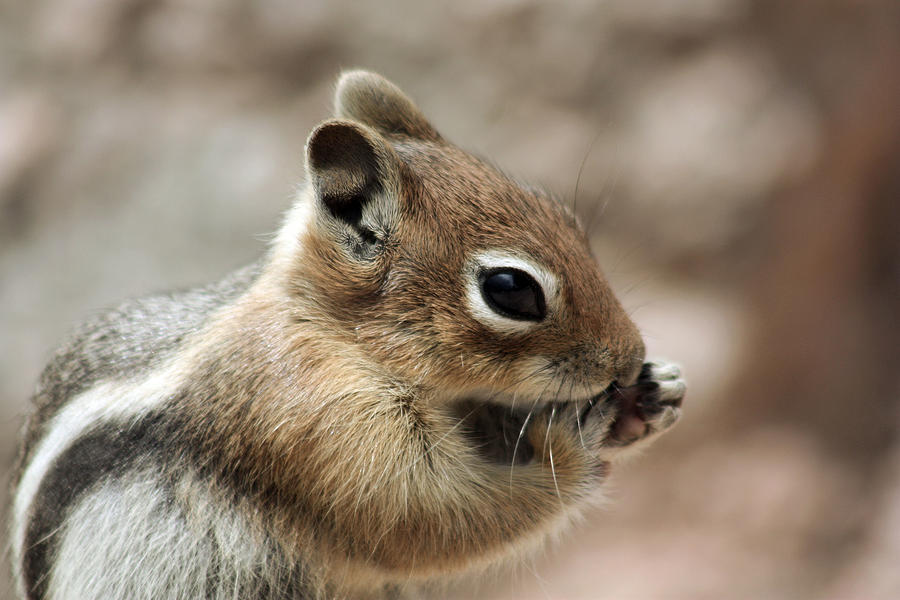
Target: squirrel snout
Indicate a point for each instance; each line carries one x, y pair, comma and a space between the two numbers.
628, 374
628, 367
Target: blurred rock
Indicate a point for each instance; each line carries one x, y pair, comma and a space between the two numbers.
668, 17
77, 33
873, 574
705, 140
30, 129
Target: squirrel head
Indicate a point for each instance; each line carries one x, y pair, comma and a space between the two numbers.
444, 271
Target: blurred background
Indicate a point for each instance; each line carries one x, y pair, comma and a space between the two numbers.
737, 163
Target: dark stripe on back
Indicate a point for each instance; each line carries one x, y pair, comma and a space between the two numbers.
112, 451
106, 450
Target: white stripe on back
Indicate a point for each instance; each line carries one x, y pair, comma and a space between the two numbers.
107, 402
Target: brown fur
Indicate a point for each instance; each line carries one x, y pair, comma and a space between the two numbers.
335, 375
348, 400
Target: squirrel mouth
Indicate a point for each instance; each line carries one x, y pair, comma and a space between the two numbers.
497, 430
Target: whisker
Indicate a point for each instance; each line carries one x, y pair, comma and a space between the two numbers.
512, 464
584, 160
522, 433
549, 439
547, 444
606, 194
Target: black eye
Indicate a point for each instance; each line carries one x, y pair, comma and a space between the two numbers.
513, 293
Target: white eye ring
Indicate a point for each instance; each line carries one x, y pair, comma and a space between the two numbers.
495, 259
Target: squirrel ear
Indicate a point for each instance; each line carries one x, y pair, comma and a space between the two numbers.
354, 174
374, 101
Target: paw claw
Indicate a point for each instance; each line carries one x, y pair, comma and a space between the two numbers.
672, 391
664, 371
668, 417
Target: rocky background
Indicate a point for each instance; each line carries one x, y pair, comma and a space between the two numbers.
737, 162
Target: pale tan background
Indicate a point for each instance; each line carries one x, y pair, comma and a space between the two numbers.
737, 161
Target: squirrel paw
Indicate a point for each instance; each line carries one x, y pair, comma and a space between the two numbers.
643, 410
616, 419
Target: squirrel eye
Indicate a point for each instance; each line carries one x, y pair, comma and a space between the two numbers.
513, 293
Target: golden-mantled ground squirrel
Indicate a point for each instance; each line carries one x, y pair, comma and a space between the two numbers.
427, 374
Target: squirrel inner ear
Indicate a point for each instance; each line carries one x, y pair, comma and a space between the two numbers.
354, 175
374, 101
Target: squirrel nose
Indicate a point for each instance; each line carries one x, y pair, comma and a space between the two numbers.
628, 366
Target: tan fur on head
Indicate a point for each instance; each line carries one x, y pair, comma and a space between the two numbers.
452, 209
